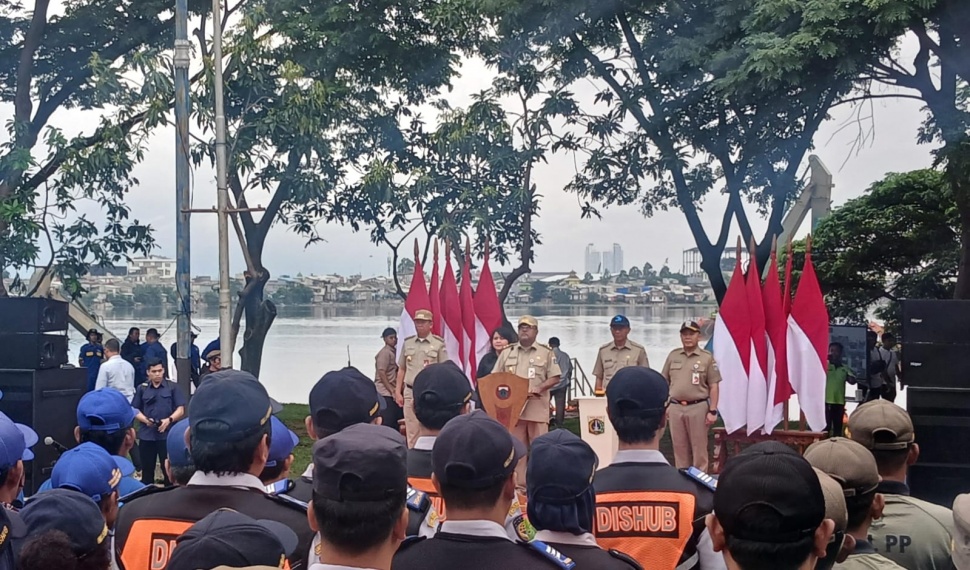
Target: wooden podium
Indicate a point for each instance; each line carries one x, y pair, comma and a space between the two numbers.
596, 429
504, 396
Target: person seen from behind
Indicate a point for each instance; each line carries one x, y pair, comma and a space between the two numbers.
66, 531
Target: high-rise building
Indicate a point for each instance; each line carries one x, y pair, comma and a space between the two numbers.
593, 259
617, 258
608, 265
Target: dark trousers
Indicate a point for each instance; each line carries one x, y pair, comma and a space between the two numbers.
150, 451
874, 393
392, 413
135, 455
833, 419
560, 396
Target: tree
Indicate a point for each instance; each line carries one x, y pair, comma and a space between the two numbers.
623, 277
605, 277
292, 293
405, 266
649, 275
635, 273
539, 291
587, 278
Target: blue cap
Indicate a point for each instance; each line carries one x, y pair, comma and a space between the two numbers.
70, 512
15, 442
229, 405
178, 451
87, 469
281, 443
104, 410
620, 321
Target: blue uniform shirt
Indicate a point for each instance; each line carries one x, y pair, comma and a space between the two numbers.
194, 357
91, 357
157, 404
155, 350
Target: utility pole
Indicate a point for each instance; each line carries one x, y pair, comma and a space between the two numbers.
183, 362
225, 326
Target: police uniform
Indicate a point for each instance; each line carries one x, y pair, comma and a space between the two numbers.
415, 355
91, 356
691, 375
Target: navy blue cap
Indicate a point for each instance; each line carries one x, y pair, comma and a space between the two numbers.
637, 391
474, 451
620, 321
441, 386
178, 451
70, 512
15, 442
229, 538
361, 463
227, 406
106, 409
87, 469
281, 443
561, 467
343, 398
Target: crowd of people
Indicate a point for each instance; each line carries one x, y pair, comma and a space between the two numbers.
458, 489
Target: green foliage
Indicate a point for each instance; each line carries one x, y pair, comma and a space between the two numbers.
153, 295
539, 291
405, 266
561, 296
293, 294
636, 274
623, 277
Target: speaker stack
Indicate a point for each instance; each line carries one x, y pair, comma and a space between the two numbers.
36, 391
936, 370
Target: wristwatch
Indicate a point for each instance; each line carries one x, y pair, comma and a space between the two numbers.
712, 412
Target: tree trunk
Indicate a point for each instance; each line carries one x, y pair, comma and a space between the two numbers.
711, 264
958, 173
260, 314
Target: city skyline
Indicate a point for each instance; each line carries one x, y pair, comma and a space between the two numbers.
608, 260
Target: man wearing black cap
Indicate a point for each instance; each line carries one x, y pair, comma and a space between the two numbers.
234, 539
360, 490
617, 354
562, 501
386, 378
91, 356
474, 462
668, 506
769, 512
229, 439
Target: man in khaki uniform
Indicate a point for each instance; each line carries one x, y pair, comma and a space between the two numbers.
537, 362
419, 351
616, 355
961, 524
386, 379
693, 377
912, 533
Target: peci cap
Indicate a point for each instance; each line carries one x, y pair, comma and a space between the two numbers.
364, 462
620, 321
15, 442
343, 398
528, 320
441, 386
87, 469
835, 508
769, 497
561, 467
637, 391
884, 421
227, 406
229, 537
423, 315
961, 527
846, 461
178, 451
106, 409
281, 443
690, 326
474, 451
388, 332
70, 512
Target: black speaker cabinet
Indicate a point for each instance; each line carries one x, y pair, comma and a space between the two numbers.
933, 365
45, 400
39, 351
30, 315
939, 484
935, 321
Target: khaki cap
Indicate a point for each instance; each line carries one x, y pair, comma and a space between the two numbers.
961, 535
846, 461
423, 315
881, 417
835, 508
528, 320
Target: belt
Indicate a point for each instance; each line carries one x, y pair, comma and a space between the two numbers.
687, 402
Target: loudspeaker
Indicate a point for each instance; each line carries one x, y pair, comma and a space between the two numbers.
38, 351
936, 321
939, 484
32, 315
45, 400
935, 365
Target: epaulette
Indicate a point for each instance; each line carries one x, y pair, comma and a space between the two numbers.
698, 476
409, 542
144, 384
551, 554
410, 337
418, 500
607, 345
636, 344
144, 492
625, 558
523, 528
545, 346
287, 501
437, 337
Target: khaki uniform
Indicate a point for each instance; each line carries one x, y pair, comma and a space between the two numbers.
538, 364
415, 355
868, 560
913, 533
691, 376
386, 361
611, 359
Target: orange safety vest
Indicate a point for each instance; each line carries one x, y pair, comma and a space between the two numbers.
654, 527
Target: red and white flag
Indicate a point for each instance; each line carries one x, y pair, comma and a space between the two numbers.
417, 298
435, 294
758, 371
776, 323
808, 340
467, 303
488, 311
451, 324
732, 350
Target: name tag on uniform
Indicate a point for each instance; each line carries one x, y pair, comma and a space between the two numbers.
426, 362
532, 373
695, 378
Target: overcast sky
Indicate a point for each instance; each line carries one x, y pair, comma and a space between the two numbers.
564, 233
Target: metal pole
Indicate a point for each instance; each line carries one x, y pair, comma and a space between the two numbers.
225, 326
182, 357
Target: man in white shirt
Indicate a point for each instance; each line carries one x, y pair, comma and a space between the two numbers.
116, 372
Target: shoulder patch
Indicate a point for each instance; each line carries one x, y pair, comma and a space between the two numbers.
418, 500
551, 554
288, 502
625, 558
698, 476
144, 492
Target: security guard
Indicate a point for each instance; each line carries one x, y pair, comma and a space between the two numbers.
616, 355
419, 351
537, 362
693, 377
474, 470
91, 357
640, 491
160, 404
912, 533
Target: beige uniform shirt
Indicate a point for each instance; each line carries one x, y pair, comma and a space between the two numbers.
538, 364
420, 352
913, 533
386, 361
691, 375
869, 561
611, 359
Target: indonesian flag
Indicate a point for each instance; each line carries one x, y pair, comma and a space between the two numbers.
468, 317
757, 373
732, 350
808, 339
488, 311
451, 324
417, 299
436, 327
776, 323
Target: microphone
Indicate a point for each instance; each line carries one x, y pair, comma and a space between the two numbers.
53, 443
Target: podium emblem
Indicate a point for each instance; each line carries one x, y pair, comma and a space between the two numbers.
597, 425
